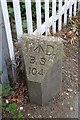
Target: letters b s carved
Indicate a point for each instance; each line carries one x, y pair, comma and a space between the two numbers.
42, 61
32, 59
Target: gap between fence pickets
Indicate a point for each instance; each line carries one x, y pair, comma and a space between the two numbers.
60, 12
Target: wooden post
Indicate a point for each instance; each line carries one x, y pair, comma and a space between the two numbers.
8, 37
5, 61
3, 68
0, 43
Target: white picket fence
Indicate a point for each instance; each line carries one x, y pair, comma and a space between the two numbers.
41, 28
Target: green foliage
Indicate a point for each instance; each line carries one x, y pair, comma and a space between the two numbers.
0, 89
12, 110
4, 106
77, 24
24, 24
5, 89
19, 116
10, 12
69, 24
0, 103
1, 72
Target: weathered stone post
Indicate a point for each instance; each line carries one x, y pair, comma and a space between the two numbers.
43, 62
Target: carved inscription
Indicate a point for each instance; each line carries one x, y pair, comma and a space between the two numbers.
49, 50
42, 61
39, 49
34, 71
32, 59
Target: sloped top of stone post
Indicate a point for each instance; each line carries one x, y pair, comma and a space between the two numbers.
40, 53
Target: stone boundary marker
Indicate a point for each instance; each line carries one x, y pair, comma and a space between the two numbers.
43, 63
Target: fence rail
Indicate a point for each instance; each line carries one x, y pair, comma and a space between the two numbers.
63, 7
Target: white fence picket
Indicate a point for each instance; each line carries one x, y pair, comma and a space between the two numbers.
8, 29
18, 22
43, 27
75, 5
60, 17
29, 16
54, 16
38, 13
70, 11
47, 16
65, 14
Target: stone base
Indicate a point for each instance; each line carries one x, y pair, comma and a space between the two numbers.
41, 93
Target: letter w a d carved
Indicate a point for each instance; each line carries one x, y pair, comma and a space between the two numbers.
38, 49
